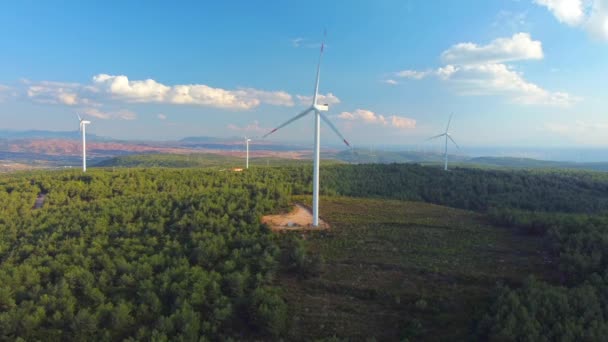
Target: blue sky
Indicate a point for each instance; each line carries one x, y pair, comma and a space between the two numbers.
514, 73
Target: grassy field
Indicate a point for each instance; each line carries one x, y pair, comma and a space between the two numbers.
405, 269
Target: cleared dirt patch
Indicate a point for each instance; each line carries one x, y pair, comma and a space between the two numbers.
300, 218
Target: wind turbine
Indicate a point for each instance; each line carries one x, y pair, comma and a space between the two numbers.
317, 109
447, 136
83, 128
247, 140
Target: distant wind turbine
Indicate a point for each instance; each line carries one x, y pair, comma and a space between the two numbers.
447, 136
83, 128
317, 109
247, 140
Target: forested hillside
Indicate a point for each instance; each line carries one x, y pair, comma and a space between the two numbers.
173, 254
145, 255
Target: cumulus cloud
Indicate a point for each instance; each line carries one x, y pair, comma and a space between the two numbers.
161, 116
591, 15
122, 114
518, 47
369, 117
597, 24
476, 70
57, 93
391, 82
120, 87
500, 79
329, 99
569, 12
137, 91
402, 122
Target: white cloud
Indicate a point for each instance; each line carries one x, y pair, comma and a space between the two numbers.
597, 23
305, 43
391, 82
445, 72
475, 70
369, 117
518, 47
499, 79
591, 15
137, 91
402, 122
570, 12
56, 93
253, 127
296, 42
122, 114
329, 99
161, 116
412, 74
275, 98
120, 87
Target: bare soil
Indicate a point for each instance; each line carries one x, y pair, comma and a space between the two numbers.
300, 218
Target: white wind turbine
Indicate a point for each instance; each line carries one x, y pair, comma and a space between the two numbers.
247, 140
83, 128
447, 136
317, 109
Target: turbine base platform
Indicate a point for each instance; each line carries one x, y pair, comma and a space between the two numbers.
300, 218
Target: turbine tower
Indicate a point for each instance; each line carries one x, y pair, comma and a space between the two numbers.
247, 140
83, 128
317, 109
447, 136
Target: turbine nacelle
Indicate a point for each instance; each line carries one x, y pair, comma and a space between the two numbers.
321, 107
82, 123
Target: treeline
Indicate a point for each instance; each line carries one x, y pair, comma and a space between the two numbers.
472, 189
140, 255
170, 160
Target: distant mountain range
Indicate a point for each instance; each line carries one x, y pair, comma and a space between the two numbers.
63, 148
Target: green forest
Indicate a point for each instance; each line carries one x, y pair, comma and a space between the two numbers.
179, 254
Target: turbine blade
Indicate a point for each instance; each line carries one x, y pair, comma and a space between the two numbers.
449, 136
314, 97
333, 128
449, 121
437, 136
289, 121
